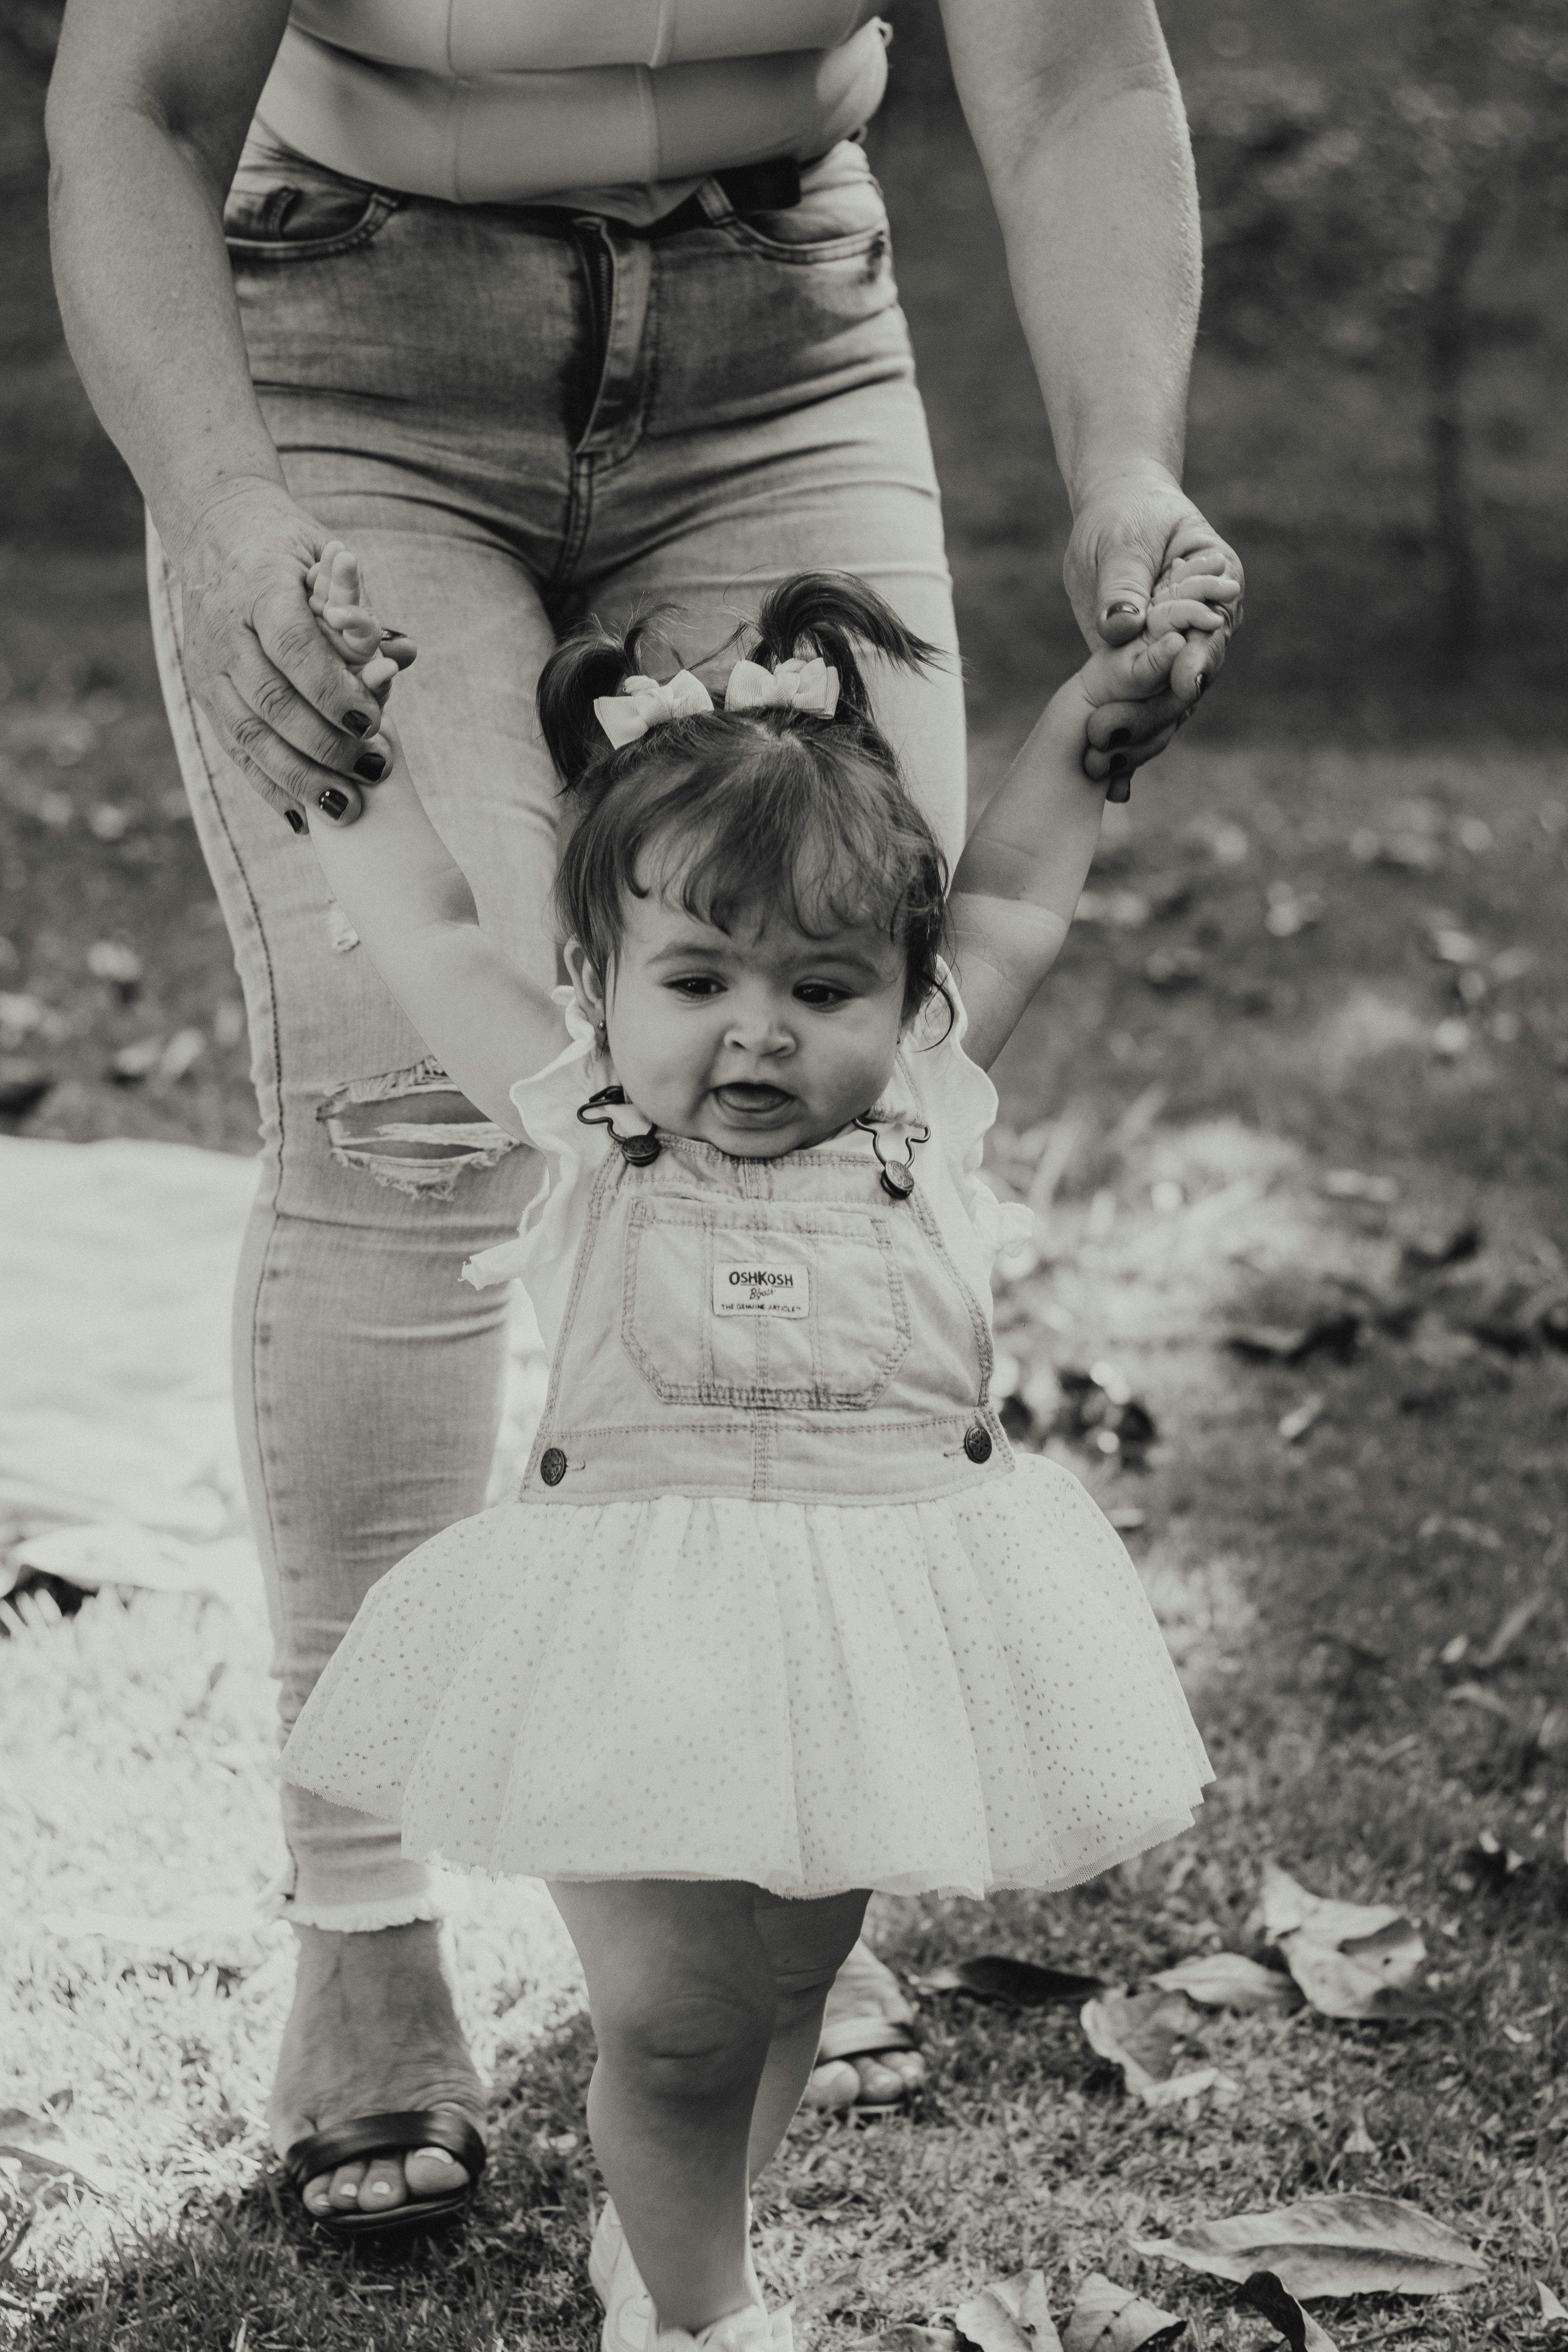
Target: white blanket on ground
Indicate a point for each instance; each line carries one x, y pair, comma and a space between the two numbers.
118, 1462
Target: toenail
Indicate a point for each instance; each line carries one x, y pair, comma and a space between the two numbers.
441, 2155
380, 2188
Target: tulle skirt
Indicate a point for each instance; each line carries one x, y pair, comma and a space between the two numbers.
947, 1696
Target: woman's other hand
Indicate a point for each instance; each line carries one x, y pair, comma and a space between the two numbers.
296, 719
1142, 557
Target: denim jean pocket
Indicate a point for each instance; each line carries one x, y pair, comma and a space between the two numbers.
283, 207
765, 1305
841, 215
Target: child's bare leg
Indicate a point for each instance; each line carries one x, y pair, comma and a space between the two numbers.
684, 2005
805, 1945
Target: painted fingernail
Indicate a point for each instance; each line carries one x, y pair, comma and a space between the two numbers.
1118, 736
357, 722
1119, 765
392, 633
1200, 684
332, 800
1124, 605
372, 767
295, 819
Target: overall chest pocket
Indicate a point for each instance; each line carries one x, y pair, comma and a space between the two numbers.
763, 1306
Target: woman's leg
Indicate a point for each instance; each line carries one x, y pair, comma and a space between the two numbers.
706, 2000
367, 1373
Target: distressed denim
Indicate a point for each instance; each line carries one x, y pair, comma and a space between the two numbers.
515, 417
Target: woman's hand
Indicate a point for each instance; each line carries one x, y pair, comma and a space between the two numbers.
1141, 557
297, 722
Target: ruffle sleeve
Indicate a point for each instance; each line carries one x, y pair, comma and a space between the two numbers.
541, 1255
963, 1105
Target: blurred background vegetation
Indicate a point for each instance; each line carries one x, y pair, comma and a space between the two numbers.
1376, 422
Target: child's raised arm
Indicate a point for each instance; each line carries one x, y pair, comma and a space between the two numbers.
415, 913
1025, 865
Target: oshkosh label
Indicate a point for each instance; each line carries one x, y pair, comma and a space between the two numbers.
757, 1288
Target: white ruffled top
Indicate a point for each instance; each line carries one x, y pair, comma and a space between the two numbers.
934, 1081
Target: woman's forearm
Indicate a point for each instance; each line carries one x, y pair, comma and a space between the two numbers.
141, 268
1078, 120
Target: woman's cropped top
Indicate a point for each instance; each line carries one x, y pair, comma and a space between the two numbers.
535, 101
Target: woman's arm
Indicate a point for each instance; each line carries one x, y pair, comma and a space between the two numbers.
415, 915
147, 114
1024, 867
1080, 125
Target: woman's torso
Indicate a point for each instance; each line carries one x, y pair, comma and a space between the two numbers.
620, 104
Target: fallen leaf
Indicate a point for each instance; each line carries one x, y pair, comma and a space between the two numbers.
1550, 2308
1011, 2315
1228, 1980
1110, 2318
1350, 1184
1293, 1425
992, 1976
48, 2158
1350, 1959
1351, 2244
1141, 2033
1522, 1615
1301, 2331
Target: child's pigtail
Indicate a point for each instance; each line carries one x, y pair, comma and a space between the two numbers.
833, 614
590, 662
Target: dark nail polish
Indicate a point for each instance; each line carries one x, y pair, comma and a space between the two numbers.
1119, 766
1118, 736
392, 633
357, 723
332, 800
1200, 684
295, 819
372, 767
1124, 605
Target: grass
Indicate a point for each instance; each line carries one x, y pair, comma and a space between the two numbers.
1309, 1592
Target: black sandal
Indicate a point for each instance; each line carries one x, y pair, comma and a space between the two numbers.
396, 2134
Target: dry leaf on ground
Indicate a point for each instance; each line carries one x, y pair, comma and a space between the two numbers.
1110, 2318
1228, 1980
1301, 2331
1142, 2032
1351, 2244
993, 1976
1350, 1959
1011, 2315
1550, 2308
48, 2158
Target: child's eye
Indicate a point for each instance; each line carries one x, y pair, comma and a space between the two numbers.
821, 994
696, 985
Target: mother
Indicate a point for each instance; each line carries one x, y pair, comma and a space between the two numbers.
545, 305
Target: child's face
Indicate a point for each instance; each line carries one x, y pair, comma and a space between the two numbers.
761, 1041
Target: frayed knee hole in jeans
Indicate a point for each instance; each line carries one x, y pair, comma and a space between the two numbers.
412, 1130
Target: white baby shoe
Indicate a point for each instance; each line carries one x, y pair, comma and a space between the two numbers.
631, 2324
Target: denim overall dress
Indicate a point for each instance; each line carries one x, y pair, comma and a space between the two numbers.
777, 1602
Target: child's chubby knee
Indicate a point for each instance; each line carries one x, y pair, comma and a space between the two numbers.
696, 2038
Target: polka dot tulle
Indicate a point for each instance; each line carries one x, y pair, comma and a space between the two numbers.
945, 1696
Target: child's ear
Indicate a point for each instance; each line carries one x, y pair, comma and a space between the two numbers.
586, 985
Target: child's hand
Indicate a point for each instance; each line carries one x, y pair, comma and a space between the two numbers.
1189, 596
337, 599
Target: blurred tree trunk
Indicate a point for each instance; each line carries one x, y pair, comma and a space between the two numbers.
1449, 348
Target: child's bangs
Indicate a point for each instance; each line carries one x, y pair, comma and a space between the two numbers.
747, 855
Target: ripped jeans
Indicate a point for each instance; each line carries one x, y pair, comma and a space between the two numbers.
515, 418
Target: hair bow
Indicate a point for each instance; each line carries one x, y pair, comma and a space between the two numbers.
642, 702
796, 684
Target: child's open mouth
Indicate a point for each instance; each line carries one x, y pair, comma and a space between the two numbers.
744, 1101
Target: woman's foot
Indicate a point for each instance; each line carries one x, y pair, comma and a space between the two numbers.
860, 2074
372, 2030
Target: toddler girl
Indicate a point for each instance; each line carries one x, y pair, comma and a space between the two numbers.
778, 1617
